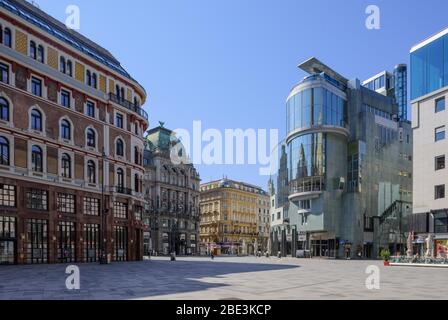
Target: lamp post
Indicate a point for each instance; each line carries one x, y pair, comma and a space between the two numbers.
103, 212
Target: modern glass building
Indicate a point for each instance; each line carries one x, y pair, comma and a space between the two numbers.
401, 90
394, 85
342, 168
429, 91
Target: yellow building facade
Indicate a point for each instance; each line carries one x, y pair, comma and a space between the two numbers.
229, 217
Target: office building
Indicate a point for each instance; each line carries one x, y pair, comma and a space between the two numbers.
429, 92
345, 170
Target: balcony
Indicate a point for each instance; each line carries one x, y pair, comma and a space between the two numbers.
121, 190
306, 188
128, 105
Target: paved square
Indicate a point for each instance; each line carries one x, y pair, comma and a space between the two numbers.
224, 278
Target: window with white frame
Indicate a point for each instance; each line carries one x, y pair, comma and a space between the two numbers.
91, 206
120, 210
66, 203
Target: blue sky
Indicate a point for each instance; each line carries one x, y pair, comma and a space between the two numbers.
231, 63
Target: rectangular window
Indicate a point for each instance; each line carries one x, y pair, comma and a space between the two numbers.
4, 73
65, 98
119, 120
7, 196
138, 213
120, 210
66, 203
440, 133
440, 162
440, 104
37, 199
90, 109
36, 87
91, 206
440, 192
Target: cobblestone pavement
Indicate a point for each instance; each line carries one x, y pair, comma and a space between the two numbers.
224, 278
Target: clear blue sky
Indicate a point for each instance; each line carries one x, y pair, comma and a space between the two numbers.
231, 63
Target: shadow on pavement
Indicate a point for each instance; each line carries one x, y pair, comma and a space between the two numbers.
128, 280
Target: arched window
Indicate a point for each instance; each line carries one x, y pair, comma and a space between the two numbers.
4, 109
4, 151
94, 80
88, 78
136, 155
37, 159
62, 65
33, 52
66, 130
36, 120
120, 148
91, 171
91, 138
120, 178
66, 166
40, 54
136, 183
69, 68
122, 93
7, 37
117, 91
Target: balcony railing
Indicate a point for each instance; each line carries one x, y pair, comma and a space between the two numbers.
308, 184
128, 105
122, 190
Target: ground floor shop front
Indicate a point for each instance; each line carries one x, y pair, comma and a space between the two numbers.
35, 241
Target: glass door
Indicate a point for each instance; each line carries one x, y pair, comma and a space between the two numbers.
120, 243
7, 252
91, 242
8, 240
67, 242
37, 241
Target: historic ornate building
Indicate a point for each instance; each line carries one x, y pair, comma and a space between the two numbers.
71, 142
172, 196
230, 215
263, 222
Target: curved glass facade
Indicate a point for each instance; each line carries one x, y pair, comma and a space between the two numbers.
307, 156
313, 107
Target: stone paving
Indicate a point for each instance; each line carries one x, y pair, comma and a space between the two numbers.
224, 278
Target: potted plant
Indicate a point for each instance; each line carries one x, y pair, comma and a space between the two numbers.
385, 255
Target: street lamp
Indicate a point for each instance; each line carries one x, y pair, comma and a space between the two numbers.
103, 212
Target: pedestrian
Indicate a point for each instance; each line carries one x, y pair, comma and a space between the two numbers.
212, 255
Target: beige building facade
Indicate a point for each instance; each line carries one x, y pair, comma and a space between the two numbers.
229, 217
